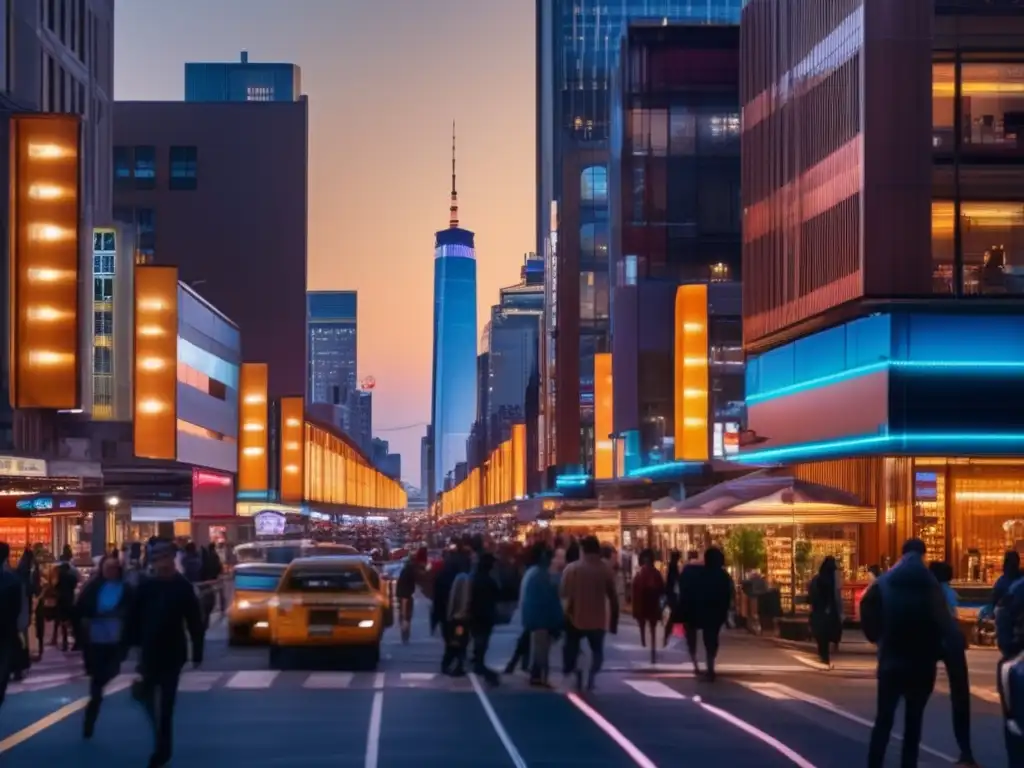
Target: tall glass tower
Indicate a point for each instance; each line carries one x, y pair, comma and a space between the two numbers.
453, 400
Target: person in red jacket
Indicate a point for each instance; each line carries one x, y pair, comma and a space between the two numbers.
648, 590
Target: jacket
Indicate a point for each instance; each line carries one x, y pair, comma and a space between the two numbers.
588, 590
11, 597
164, 610
648, 589
484, 595
539, 605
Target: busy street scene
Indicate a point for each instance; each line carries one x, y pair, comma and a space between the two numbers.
525, 383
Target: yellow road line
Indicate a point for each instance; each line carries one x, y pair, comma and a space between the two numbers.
57, 716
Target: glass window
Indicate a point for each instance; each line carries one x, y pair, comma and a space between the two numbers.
718, 133
593, 295
145, 167
250, 581
594, 185
122, 164
639, 192
639, 121
659, 132
183, 163
942, 246
992, 106
992, 238
943, 109
101, 360
682, 131
594, 243
351, 580
103, 322
103, 289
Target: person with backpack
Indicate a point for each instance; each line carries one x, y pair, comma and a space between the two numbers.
904, 612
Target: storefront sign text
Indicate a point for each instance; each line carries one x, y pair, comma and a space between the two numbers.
269, 523
12, 467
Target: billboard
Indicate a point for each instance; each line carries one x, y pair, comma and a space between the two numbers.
155, 400
252, 432
692, 438
604, 455
43, 285
213, 494
293, 419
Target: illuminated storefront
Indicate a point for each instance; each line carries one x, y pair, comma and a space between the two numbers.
337, 473
501, 479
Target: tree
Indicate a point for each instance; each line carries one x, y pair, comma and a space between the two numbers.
745, 548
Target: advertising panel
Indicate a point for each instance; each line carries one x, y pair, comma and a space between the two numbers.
252, 433
692, 438
213, 494
604, 455
154, 402
43, 283
293, 419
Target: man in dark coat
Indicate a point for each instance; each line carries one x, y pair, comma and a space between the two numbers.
11, 596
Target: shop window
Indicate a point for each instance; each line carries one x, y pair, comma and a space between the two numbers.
992, 238
992, 106
942, 246
943, 107
986, 516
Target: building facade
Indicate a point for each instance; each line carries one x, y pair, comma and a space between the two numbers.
332, 335
242, 80
229, 215
111, 316
897, 349
576, 51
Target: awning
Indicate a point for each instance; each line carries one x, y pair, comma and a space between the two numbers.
763, 499
588, 517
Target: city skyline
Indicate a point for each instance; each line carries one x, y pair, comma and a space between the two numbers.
368, 219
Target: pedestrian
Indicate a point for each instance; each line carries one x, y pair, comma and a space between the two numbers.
483, 614
10, 612
521, 653
1011, 573
103, 608
405, 591
905, 614
164, 608
65, 583
450, 614
648, 590
707, 593
540, 610
826, 609
591, 608
28, 575
1010, 670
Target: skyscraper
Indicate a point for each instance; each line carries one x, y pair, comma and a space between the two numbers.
242, 81
453, 399
331, 344
577, 50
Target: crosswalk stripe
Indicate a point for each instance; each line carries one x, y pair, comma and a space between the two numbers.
418, 677
328, 680
252, 680
198, 681
653, 689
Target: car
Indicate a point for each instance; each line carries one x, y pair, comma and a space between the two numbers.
248, 615
329, 602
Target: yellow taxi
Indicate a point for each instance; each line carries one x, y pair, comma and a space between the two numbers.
332, 601
254, 585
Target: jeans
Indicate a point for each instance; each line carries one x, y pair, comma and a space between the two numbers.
521, 654
710, 643
8, 658
540, 646
456, 638
104, 666
158, 692
915, 687
571, 652
960, 699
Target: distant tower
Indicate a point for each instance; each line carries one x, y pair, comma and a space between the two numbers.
453, 398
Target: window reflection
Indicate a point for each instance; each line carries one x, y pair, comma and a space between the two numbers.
943, 108
942, 247
992, 236
594, 185
992, 105
594, 243
593, 296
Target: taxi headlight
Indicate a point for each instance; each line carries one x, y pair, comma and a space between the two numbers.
366, 624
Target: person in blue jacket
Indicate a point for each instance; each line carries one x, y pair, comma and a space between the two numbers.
541, 611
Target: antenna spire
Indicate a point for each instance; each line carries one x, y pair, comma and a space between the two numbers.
453, 220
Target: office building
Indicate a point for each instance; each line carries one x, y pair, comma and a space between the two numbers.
899, 349
111, 316
331, 327
453, 399
576, 51
242, 80
229, 214
674, 181
60, 59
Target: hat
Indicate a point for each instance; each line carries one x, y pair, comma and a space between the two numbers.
161, 549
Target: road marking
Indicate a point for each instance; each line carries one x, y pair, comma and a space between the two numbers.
378, 681
685, 669
118, 684
866, 665
252, 680
653, 689
793, 756
418, 677
198, 682
373, 735
499, 729
828, 706
985, 694
612, 732
331, 680
767, 689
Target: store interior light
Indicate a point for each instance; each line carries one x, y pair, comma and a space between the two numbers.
46, 192
49, 152
151, 406
47, 314
47, 358
49, 233
1015, 497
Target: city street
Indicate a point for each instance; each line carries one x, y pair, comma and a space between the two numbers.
768, 708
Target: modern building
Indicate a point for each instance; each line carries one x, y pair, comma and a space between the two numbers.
331, 343
576, 52
111, 317
427, 463
228, 213
675, 245
59, 59
453, 399
242, 80
882, 315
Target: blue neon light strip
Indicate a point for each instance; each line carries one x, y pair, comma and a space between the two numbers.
986, 441
916, 366
668, 468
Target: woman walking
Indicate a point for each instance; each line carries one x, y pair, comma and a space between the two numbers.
648, 591
826, 609
103, 608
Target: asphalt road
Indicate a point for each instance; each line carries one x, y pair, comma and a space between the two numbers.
769, 707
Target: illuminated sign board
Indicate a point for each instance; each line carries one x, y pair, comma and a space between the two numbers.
269, 523
156, 362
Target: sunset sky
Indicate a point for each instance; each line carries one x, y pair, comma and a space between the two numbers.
385, 79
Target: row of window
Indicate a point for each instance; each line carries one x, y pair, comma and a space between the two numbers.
137, 167
199, 380
991, 109
991, 256
194, 429
69, 20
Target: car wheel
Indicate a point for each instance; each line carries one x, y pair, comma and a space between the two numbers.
275, 657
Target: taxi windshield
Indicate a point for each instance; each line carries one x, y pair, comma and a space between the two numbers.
346, 580
254, 581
